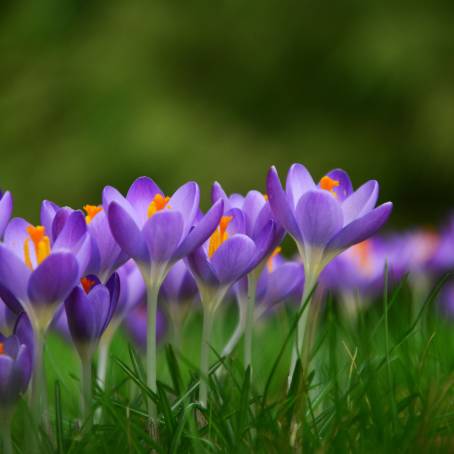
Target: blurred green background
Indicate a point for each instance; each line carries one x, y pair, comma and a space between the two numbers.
99, 92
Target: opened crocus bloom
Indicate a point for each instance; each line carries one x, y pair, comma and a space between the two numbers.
325, 218
158, 230
40, 265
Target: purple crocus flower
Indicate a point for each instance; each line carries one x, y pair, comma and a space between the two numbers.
40, 266
155, 230
89, 309
324, 219
135, 325
6, 210
15, 370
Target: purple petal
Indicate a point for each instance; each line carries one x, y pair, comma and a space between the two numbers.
201, 232
126, 232
362, 228
299, 181
254, 205
320, 217
140, 195
6, 369
81, 315
14, 274
6, 210
232, 259
264, 244
280, 204
23, 368
54, 278
48, 211
15, 236
186, 201
162, 233
218, 193
360, 202
59, 222
345, 187
72, 232
201, 267
101, 304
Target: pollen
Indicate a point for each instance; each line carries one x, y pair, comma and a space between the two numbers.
87, 284
328, 184
265, 196
2, 348
158, 203
270, 261
41, 244
92, 211
362, 252
219, 236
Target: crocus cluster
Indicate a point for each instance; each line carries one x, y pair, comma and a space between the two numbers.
135, 260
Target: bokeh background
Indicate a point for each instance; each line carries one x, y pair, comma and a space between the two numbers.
97, 92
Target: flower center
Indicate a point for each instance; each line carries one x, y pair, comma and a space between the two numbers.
87, 284
270, 261
362, 252
328, 184
92, 211
2, 348
158, 203
40, 242
265, 196
219, 235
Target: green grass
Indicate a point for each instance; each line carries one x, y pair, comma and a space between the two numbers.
381, 383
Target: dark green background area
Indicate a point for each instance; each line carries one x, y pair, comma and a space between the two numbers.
100, 92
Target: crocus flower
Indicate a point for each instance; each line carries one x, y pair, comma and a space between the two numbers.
40, 266
7, 318
177, 295
324, 219
6, 210
157, 231
89, 309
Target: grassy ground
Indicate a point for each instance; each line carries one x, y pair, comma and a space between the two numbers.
383, 382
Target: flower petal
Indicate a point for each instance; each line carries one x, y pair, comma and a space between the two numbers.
202, 230
47, 214
320, 217
218, 193
162, 234
254, 204
80, 314
360, 202
140, 195
232, 259
14, 274
280, 204
54, 278
201, 267
299, 181
126, 232
6, 210
361, 229
345, 187
186, 200
72, 233
15, 236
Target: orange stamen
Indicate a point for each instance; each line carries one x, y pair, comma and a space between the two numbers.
270, 261
265, 196
328, 184
41, 243
87, 284
92, 211
2, 348
158, 203
219, 236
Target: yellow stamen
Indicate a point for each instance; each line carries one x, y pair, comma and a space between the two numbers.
87, 284
219, 236
2, 348
41, 243
265, 196
270, 261
328, 184
158, 203
92, 211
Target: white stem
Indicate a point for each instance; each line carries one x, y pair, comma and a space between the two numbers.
249, 327
239, 330
208, 313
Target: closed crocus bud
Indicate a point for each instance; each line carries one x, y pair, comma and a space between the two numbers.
15, 370
6, 210
89, 309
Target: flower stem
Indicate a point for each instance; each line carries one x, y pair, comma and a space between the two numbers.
152, 307
249, 326
101, 373
39, 392
86, 368
239, 330
204, 354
